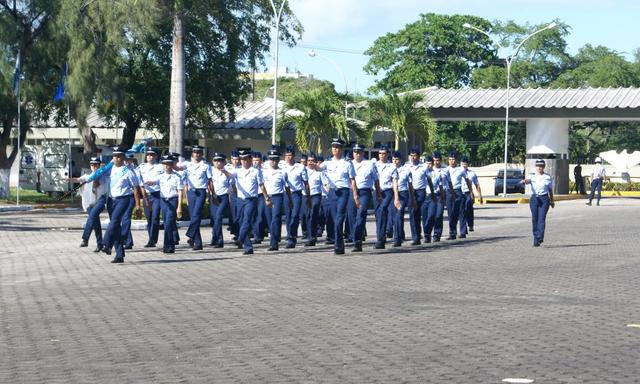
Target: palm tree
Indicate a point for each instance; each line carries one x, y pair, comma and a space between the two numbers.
317, 115
400, 114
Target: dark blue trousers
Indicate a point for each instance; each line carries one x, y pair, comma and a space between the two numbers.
437, 231
274, 219
234, 223
217, 213
329, 218
339, 213
116, 234
293, 218
454, 211
415, 215
260, 222
391, 222
304, 210
596, 185
364, 197
539, 206
431, 206
93, 221
352, 212
313, 218
126, 224
382, 215
321, 218
196, 204
398, 227
246, 210
169, 207
152, 213
466, 213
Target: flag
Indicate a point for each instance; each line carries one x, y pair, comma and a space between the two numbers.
59, 96
17, 75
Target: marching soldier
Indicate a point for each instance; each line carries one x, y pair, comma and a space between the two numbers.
540, 200
276, 184
388, 180
443, 173
132, 163
437, 198
366, 178
234, 225
405, 196
197, 174
469, 196
219, 199
297, 176
260, 222
317, 180
150, 170
458, 176
419, 183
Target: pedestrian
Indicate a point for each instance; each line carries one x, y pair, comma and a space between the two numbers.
388, 180
443, 173
436, 199
170, 185
469, 196
419, 183
366, 179
276, 184
150, 170
598, 173
406, 198
317, 180
458, 176
297, 178
578, 180
122, 191
219, 199
197, 175
540, 200
342, 175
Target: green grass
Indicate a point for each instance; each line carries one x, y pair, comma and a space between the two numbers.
34, 197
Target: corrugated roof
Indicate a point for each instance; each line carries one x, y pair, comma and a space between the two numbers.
253, 115
536, 98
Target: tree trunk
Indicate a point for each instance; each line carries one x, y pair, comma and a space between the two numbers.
88, 137
129, 133
6, 161
178, 86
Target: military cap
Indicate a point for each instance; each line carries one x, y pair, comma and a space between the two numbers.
336, 142
540, 162
94, 160
167, 159
273, 154
218, 156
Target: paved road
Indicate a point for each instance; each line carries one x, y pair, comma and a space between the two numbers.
473, 311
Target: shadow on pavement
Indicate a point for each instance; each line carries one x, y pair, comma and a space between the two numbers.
577, 245
170, 261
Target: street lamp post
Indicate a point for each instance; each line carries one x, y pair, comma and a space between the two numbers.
313, 53
277, 13
508, 60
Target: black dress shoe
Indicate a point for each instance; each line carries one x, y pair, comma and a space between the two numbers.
98, 249
357, 247
257, 241
451, 237
198, 248
149, 245
168, 251
128, 247
106, 250
118, 260
190, 242
84, 243
348, 241
462, 237
272, 249
290, 245
249, 252
396, 245
389, 235
328, 242
379, 246
218, 246
436, 239
415, 242
310, 244
470, 229
338, 251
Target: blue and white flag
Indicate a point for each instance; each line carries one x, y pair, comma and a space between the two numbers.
17, 75
59, 96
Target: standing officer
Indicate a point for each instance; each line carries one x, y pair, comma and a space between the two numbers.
577, 176
388, 179
598, 174
219, 199
297, 176
443, 173
405, 196
122, 189
197, 174
175, 156
366, 178
275, 183
342, 175
419, 182
436, 201
469, 196
248, 181
458, 175
317, 179
170, 185
234, 225
540, 200
328, 195
260, 222
150, 170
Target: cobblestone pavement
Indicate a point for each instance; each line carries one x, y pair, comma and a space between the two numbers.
471, 311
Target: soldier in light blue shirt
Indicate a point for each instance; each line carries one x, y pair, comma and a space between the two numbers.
276, 183
132, 163
406, 198
249, 182
220, 199
317, 182
419, 182
388, 180
234, 224
443, 173
469, 197
197, 176
260, 221
366, 179
342, 176
540, 200
150, 171
122, 190
298, 181
458, 176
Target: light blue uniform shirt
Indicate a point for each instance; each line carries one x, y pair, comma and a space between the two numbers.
169, 184
541, 185
297, 175
443, 172
103, 184
366, 174
197, 175
471, 175
458, 177
436, 180
149, 172
122, 181
340, 172
386, 173
404, 178
221, 183
418, 175
316, 181
275, 180
136, 174
247, 181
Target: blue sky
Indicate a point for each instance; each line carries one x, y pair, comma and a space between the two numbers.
353, 25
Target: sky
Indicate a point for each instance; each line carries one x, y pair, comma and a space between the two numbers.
353, 26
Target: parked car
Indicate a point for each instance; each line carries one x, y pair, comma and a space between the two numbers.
514, 177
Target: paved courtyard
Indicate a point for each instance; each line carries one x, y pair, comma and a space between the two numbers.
471, 311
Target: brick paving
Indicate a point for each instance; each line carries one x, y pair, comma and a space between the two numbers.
472, 311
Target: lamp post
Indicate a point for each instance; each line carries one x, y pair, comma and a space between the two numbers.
277, 13
508, 60
313, 53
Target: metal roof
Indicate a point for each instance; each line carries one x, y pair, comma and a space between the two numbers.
253, 115
533, 98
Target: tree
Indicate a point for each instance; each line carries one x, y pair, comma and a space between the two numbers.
433, 51
401, 114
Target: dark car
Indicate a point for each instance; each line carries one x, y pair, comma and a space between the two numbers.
514, 177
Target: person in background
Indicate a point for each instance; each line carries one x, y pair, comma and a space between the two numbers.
579, 181
540, 201
598, 173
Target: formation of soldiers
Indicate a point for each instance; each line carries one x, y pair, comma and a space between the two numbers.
317, 197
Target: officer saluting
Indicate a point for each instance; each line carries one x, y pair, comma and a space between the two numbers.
122, 191
197, 173
248, 181
276, 184
219, 199
540, 200
342, 175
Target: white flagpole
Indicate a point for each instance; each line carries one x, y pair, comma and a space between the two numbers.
19, 156
69, 133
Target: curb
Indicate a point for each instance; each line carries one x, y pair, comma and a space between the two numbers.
15, 208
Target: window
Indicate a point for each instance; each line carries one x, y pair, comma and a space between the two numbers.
55, 160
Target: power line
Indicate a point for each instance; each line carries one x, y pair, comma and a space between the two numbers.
330, 49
